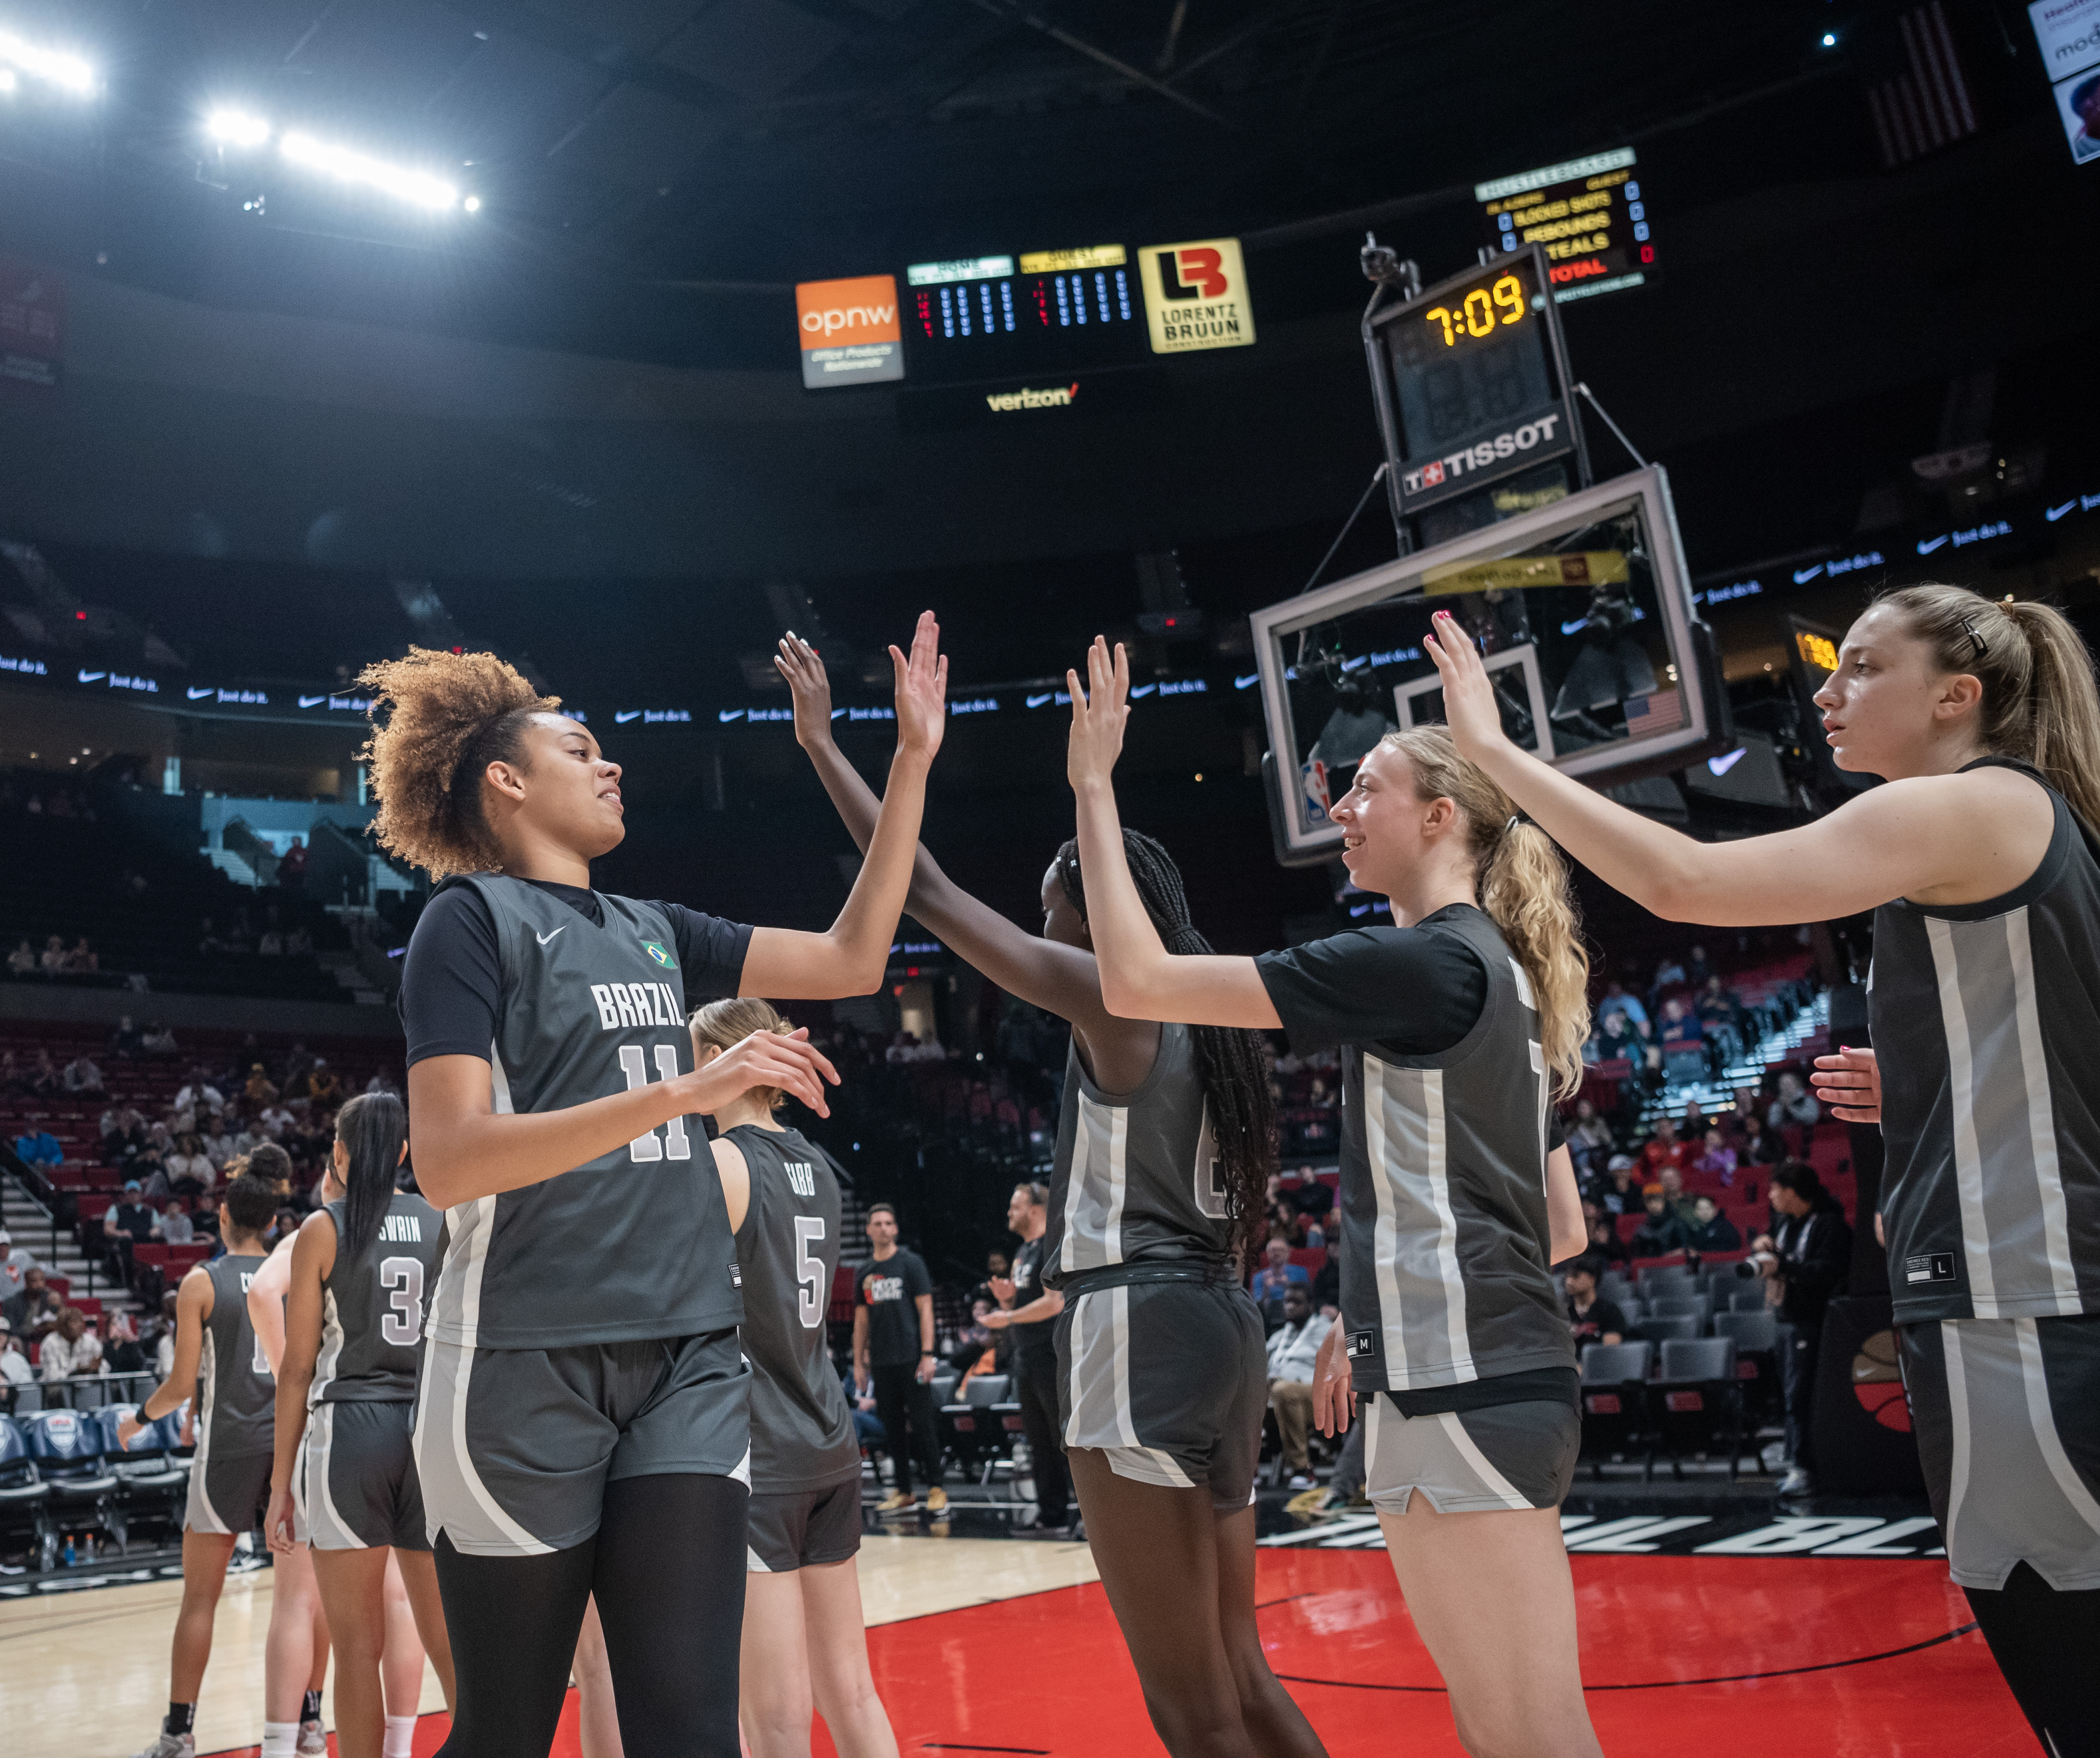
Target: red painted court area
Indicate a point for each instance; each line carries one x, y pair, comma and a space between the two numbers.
1719, 1656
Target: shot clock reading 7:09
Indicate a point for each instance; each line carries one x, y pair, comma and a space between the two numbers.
1477, 314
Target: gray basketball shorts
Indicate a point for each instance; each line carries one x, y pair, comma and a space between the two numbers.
803, 1528
1471, 1461
1170, 1381
514, 1447
356, 1485
227, 1495
2007, 1415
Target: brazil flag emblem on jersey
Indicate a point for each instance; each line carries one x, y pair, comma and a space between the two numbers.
660, 954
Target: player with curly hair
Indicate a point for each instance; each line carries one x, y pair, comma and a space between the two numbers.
582, 1424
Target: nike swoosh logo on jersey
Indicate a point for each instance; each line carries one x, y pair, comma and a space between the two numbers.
551, 933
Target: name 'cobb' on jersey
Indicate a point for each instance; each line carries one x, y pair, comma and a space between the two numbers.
635, 1243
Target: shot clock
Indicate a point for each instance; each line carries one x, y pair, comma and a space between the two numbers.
1471, 383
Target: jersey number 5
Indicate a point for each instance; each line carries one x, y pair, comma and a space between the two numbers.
648, 1148
809, 1269
403, 1321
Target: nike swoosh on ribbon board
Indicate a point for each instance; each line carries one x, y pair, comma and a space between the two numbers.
1926, 545
2053, 513
196, 695
1037, 702
623, 718
1143, 690
1802, 576
91, 677
1243, 683
725, 715
551, 933
309, 702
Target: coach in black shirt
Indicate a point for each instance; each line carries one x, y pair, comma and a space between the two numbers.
894, 1351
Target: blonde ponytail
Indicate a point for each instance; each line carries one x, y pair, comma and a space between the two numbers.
2040, 704
1523, 887
726, 1024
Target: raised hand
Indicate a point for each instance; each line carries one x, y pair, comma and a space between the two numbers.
922, 691
764, 1058
1469, 698
1849, 1082
1099, 712
797, 663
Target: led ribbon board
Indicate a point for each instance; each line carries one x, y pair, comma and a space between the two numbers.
1470, 382
1590, 216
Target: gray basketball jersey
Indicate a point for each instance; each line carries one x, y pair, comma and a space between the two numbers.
372, 1306
802, 1431
633, 1245
236, 1398
1136, 1178
1985, 1019
1443, 1198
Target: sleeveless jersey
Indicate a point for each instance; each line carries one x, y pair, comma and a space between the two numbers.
801, 1430
1135, 1177
631, 1245
1443, 1198
1985, 1018
237, 1396
373, 1305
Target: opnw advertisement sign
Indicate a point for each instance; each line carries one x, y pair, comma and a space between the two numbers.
849, 332
1196, 296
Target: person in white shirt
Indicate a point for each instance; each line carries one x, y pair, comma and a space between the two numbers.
275, 1121
15, 1368
15, 1261
200, 1095
1294, 1350
176, 1227
71, 1349
82, 1076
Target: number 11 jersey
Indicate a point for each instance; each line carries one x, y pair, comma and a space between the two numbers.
373, 1307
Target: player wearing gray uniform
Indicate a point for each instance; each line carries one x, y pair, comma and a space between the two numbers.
236, 1409
357, 1483
1160, 1347
804, 1458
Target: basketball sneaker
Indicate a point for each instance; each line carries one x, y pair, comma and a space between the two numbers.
897, 1501
167, 1745
313, 1740
936, 1499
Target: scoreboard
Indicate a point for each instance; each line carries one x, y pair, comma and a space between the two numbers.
1048, 312
1590, 216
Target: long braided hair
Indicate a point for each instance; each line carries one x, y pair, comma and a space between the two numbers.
1229, 1062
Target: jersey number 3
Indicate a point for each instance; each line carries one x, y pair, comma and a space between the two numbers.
809, 1269
648, 1148
402, 1322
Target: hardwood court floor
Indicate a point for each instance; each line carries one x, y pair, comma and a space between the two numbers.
1730, 1656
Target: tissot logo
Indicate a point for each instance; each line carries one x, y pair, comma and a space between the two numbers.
1062, 397
1489, 452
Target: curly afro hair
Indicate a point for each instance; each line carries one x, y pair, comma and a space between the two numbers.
439, 721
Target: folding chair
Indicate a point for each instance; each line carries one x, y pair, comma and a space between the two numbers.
1697, 1403
1614, 1401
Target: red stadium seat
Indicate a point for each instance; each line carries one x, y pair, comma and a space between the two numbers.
1312, 1260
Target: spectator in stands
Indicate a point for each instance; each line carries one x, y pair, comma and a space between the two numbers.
12, 1077
189, 1168
1718, 1159
322, 1086
71, 1349
1672, 1182
1661, 1149
1293, 1350
83, 1077
123, 1136
1794, 1107
1619, 1194
159, 1039
15, 1368
292, 869
1603, 1231
1691, 1126
39, 1146
42, 1077
22, 961
129, 1222
260, 1089
164, 1336
382, 1082
1683, 1045
53, 961
82, 960
1591, 1319
1807, 1257
15, 1263
1669, 974
1759, 1146
1327, 1282
1697, 972
1618, 1041
176, 1227
1275, 1278
1709, 1229
274, 1121
1589, 1137
1659, 1233
124, 1042
198, 1096
270, 944
37, 1308
1617, 1000
123, 1353
1721, 1017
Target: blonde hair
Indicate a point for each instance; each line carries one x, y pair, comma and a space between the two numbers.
2040, 704
1522, 885
726, 1024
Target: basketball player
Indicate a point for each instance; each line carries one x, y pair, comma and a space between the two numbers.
344, 1479
804, 1643
1454, 1023
1164, 1149
218, 1358
582, 1424
1977, 858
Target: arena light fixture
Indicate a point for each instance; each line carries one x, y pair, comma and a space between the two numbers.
236, 128
418, 187
67, 72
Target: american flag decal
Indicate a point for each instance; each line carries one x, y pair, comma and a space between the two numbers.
1662, 712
